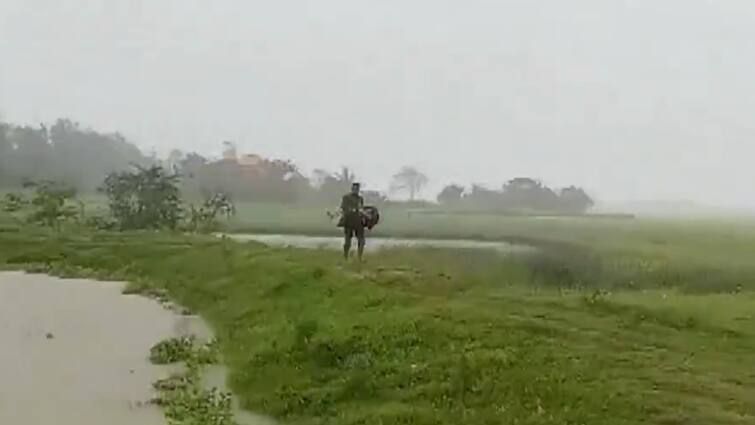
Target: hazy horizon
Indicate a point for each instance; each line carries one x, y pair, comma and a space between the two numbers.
632, 100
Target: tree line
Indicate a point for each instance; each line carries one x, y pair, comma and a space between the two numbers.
140, 199
81, 158
520, 194
64, 152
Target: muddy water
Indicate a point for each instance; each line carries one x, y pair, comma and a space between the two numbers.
302, 241
74, 352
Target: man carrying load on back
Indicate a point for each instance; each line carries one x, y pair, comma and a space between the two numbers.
351, 209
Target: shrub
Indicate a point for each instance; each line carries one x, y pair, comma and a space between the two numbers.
147, 198
204, 218
52, 203
13, 202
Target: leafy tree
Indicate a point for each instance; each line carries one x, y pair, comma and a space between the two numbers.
147, 198
451, 195
52, 203
342, 181
5, 152
525, 192
205, 217
191, 163
190, 168
13, 202
174, 160
520, 193
82, 158
330, 187
245, 177
480, 197
63, 153
29, 157
411, 180
374, 197
575, 200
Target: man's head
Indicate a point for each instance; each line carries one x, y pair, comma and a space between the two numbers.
355, 188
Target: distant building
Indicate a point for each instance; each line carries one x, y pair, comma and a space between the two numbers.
249, 165
252, 165
251, 160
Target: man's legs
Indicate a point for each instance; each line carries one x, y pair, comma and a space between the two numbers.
360, 241
347, 234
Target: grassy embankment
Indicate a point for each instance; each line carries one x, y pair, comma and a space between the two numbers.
427, 336
696, 254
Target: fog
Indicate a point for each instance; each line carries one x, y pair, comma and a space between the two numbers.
633, 100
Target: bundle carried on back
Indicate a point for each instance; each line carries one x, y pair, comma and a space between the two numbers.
370, 217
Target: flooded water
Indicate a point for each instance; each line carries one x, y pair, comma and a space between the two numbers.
75, 352
332, 242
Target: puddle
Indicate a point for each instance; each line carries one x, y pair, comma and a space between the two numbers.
75, 352
333, 242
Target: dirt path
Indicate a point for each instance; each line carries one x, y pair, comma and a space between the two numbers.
74, 352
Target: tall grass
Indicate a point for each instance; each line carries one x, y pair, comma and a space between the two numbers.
431, 336
698, 255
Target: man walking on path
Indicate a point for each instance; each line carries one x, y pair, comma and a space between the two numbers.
351, 208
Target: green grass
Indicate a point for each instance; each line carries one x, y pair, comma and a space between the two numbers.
429, 336
704, 254
701, 255
677, 238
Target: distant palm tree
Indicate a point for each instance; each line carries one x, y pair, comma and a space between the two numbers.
346, 177
409, 179
343, 179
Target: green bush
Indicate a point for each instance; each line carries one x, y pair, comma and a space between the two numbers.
146, 198
53, 203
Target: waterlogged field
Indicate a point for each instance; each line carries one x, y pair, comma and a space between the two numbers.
607, 322
703, 254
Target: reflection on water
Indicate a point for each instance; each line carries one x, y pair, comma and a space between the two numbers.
331, 242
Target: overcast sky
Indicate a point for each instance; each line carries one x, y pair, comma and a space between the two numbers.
632, 99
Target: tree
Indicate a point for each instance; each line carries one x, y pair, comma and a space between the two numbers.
451, 195
174, 160
575, 200
191, 162
279, 180
249, 177
329, 187
528, 193
342, 180
83, 157
373, 197
30, 157
411, 180
52, 203
146, 198
190, 165
480, 197
63, 153
204, 218
5, 152
13, 202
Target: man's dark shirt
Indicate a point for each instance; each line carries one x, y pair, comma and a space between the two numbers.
351, 204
